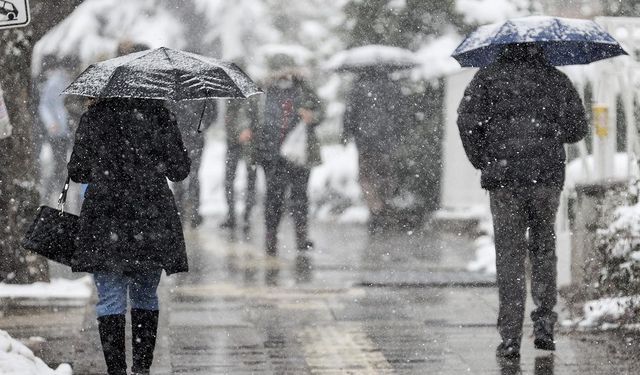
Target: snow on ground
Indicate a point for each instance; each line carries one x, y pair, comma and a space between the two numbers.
57, 289
334, 191
17, 359
485, 261
485, 249
477, 212
605, 311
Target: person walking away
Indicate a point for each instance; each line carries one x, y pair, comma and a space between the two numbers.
129, 228
514, 119
241, 121
372, 116
188, 115
55, 120
289, 104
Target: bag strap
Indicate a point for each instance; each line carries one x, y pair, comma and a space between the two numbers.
63, 195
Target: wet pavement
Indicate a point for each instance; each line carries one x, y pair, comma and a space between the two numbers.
390, 304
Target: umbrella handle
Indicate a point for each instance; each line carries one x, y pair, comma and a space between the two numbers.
201, 116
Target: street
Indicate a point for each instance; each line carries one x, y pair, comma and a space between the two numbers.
394, 303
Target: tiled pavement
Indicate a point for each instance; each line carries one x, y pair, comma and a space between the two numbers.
391, 304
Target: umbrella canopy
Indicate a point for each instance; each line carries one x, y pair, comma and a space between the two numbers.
565, 41
163, 73
372, 56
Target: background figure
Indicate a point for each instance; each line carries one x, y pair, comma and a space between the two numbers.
241, 122
289, 101
514, 119
188, 115
56, 132
372, 117
129, 228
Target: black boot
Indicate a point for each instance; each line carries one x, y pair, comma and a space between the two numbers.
111, 328
543, 335
144, 328
509, 348
271, 243
229, 223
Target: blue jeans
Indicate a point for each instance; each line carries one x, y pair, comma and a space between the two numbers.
113, 290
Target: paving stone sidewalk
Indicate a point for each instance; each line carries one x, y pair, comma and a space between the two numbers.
391, 304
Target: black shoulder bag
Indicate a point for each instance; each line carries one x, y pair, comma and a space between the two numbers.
53, 232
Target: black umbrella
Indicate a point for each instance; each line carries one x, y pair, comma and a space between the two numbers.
163, 73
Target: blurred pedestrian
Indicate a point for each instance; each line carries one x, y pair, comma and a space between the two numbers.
54, 118
514, 119
372, 117
241, 121
188, 115
288, 148
130, 231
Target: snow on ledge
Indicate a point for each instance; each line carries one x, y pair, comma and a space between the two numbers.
606, 310
17, 359
56, 289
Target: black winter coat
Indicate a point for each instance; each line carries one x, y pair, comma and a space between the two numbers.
374, 113
284, 97
514, 119
125, 150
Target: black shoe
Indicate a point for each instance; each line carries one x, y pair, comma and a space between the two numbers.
543, 333
111, 328
271, 243
305, 246
508, 349
246, 229
230, 223
144, 328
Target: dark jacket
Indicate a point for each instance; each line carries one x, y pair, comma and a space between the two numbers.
514, 119
373, 113
284, 97
125, 150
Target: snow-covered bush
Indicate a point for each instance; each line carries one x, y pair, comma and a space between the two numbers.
618, 261
619, 247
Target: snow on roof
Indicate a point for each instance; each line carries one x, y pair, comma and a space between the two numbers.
96, 27
371, 55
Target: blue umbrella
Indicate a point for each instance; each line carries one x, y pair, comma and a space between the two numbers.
565, 41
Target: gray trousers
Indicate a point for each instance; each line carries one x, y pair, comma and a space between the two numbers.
524, 220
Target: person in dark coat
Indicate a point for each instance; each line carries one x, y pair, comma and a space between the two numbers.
241, 122
372, 117
289, 102
129, 229
514, 119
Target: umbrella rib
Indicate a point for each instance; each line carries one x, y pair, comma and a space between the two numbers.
111, 77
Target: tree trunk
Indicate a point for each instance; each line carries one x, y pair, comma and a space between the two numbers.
18, 195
